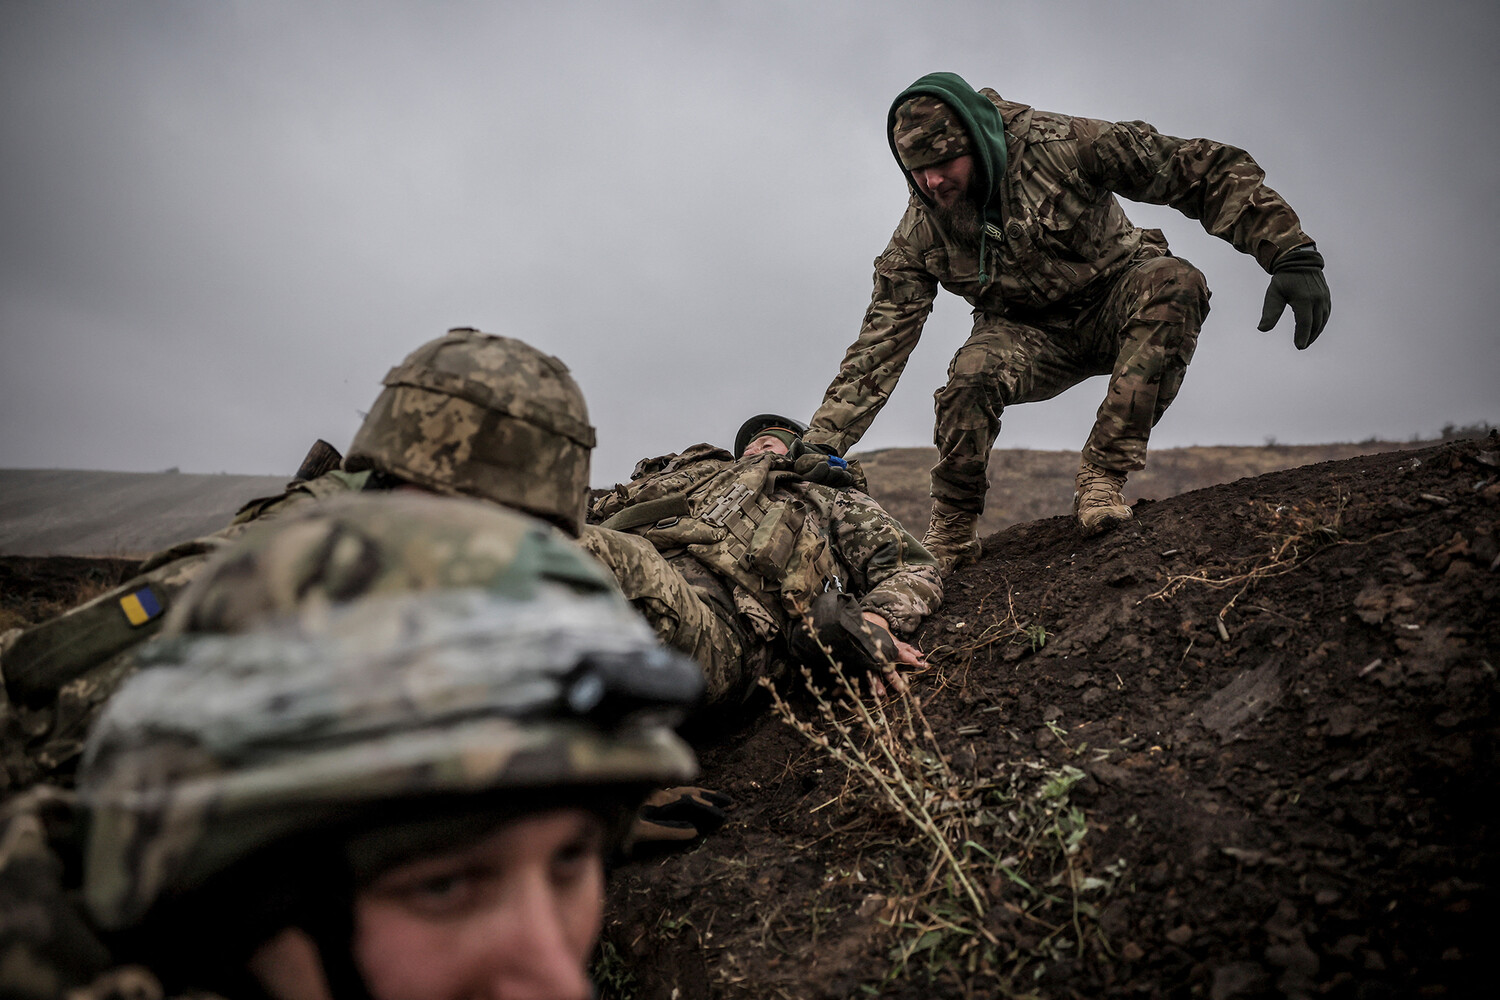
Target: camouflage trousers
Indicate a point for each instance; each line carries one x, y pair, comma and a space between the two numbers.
681, 614
1141, 332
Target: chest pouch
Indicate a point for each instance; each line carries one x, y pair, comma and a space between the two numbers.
775, 538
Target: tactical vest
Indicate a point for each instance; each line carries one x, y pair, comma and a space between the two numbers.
731, 517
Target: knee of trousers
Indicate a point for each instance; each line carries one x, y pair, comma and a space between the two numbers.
1172, 301
1175, 285
977, 392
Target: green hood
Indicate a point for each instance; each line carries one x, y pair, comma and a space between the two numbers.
986, 129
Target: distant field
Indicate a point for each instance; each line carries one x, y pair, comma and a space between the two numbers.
61, 512
1027, 485
123, 515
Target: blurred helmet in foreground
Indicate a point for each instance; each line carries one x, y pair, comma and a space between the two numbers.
395, 655
483, 416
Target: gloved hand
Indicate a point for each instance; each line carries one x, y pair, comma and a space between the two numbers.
818, 464
674, 816
1297, 279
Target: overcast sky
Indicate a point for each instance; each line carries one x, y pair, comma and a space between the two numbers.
221, 221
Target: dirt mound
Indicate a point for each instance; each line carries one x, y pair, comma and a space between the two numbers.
1026, 485
1243, 747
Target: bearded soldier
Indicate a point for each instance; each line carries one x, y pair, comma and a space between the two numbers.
381, 749
740, 561
468, 414
1015, 210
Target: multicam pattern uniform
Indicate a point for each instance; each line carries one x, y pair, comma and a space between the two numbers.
57, 674
726, 594
1072, 289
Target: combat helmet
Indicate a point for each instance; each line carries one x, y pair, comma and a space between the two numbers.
764, 423
379, 657
484, 416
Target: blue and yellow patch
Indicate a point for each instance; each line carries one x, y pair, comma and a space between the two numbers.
140, 607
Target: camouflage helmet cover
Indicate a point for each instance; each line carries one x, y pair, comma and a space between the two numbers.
224, 744
925, 131
484, 416
369, 544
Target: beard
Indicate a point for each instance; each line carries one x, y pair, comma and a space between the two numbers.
961, 220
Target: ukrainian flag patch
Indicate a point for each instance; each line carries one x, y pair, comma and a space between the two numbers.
140, 607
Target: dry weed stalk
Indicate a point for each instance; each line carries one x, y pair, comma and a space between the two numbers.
1010, 629
1308, 530
1034, 835
884, 762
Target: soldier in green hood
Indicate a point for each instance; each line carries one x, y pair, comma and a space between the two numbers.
1015, 210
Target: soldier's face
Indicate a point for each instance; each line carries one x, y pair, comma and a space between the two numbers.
514, 914
765, 443
947, 182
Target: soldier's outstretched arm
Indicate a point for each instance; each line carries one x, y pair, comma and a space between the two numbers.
1224, 188
899, 305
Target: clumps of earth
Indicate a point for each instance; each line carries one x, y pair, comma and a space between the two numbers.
1243, 747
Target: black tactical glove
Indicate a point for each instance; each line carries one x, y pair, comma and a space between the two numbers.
834, 626
818, 464
673, 816
1297, 279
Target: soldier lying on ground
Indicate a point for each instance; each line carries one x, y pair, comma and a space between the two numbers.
1014, 209
726, 557
468, 414
380, 750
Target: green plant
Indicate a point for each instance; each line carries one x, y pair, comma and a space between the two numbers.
611, 974
1011, 841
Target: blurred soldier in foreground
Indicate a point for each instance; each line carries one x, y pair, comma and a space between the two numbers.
468, 414
1014, 209
381, 750
728, 558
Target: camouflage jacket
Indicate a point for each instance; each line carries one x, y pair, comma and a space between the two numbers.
1064, 236
775, 540
51, 950
57, 674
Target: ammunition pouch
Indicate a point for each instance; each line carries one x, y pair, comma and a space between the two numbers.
733, 521
321, 458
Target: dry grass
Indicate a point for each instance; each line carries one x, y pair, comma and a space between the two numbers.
1008, 629
1005, 884
1297, 533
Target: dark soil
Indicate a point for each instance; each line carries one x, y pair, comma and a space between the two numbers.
1297, 804
35, 589
1027, 484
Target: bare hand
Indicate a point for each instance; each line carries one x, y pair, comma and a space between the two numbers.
907, 655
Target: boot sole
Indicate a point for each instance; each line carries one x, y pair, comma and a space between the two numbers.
1107, 522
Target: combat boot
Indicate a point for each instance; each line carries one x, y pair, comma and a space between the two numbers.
952, 537
1099, 503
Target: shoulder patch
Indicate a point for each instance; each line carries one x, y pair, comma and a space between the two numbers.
141, 606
